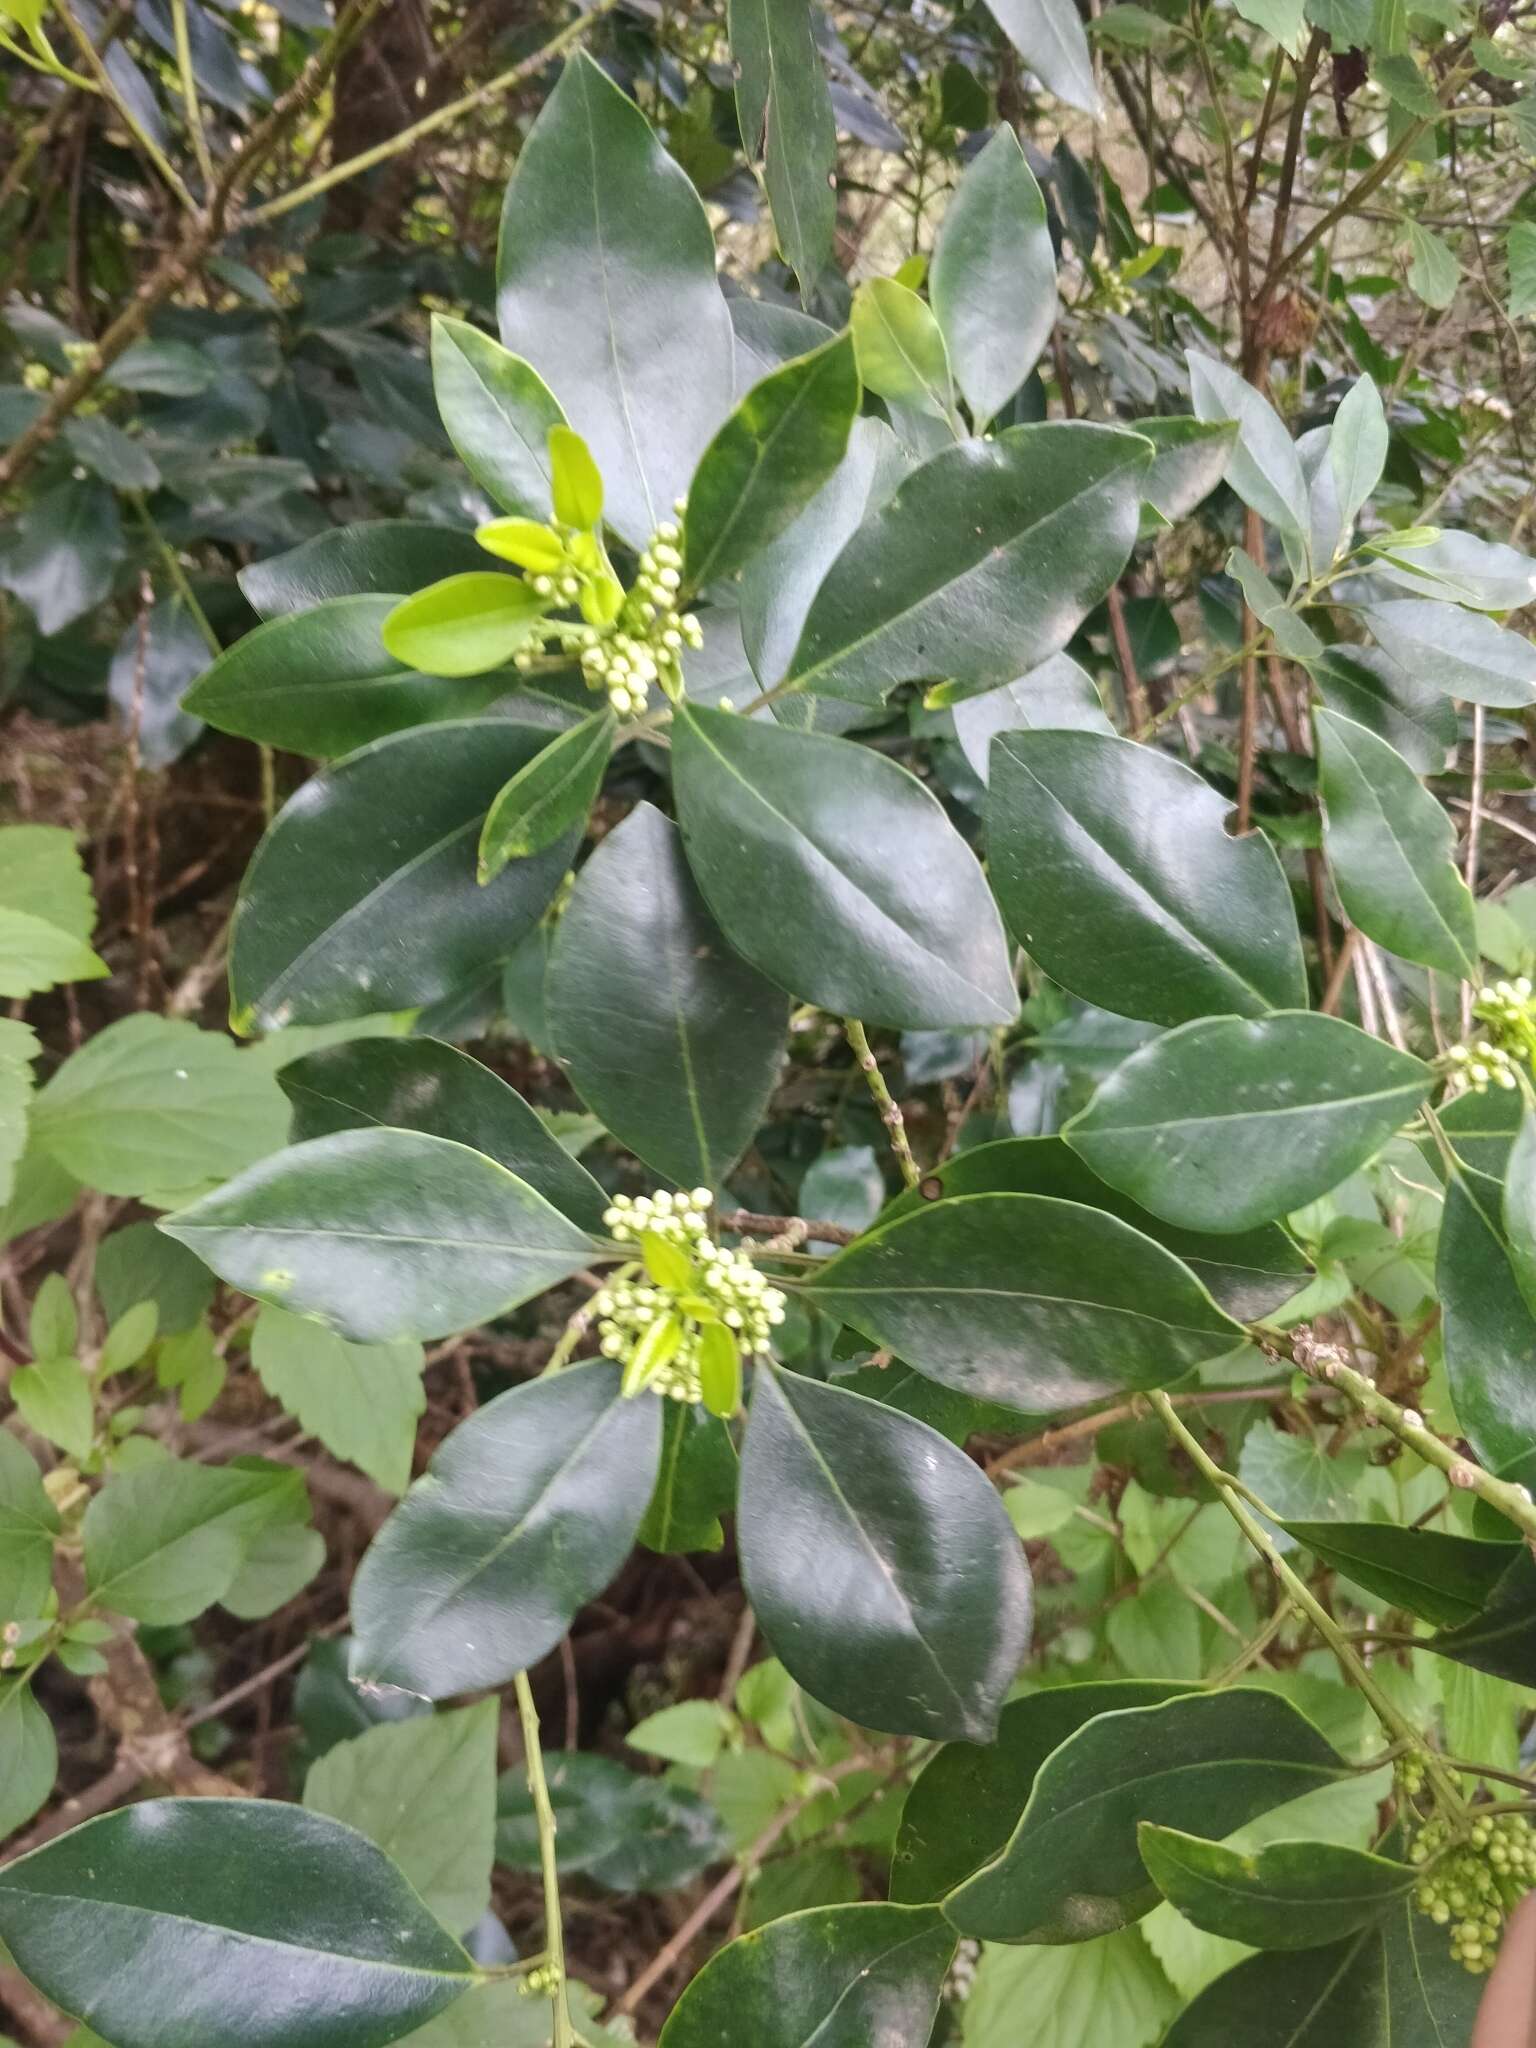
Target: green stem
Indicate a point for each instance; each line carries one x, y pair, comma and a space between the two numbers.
194, 111
366, 159
885, 1102
564, 2035
125, 113
176, 572
1301, 1595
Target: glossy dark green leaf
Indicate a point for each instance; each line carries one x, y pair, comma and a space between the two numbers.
525, 1513
1481, 1128
993, 276
1189, 460
1445, 1578
1286, 1895
1501, 1640
837, 874
1520, 1206
420, 1084
879, 1562
362, 897
785, 110
1392, 1986
1114, 869
606, 285
1227, 1123
1390, 847
549, 797
1264, 468
320, 682
863, 1976
1027, 1300
383, 1234
1071, 1868
174, 1923
382, 557
1058, 694
61, 560
1489, 1329
173, 656
666, 1034
985, 560
778, 586
965, 1801
1248, 1274
627, 1832
1367, 686
695, 1483
498, 411
465, 625
779, 446
1460, 652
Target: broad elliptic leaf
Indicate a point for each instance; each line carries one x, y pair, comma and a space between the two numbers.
1286, 1895
1115, 871
362, 1401
384, 1234
1058, 695
1071, 1868
1081, 1996
964, 1802
1489, 1329
320, 682
29, 1755
1228, 1123
606, 285
863, 1976
665, 1033
983, 561
1501, 1640
549, 797
1357, 449
1248, 1273
901, 352
1444, 1578
420, 1084
498, 412
1390, 846
384, 557
879, 1562
1048, 35
362, 896
838, 875
993, 276
778, 447
1366, 685
61, 560
1264, 468
1485, 574
464, 626
784, 108
525, 1513
425, 1791
1396, 1985
164, 1542
1190, 459
47, 911
1026, 1300
624, 1830
1458, 652
28, 1524
174, 1923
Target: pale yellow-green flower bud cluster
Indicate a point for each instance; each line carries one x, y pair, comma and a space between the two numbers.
1474, 1883
1508, 1011
682, 1318
646, 642
1483, 1065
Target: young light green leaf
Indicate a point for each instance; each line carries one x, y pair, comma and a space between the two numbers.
1390, 847
900, 348
1227, 1123
54, 1397
993, 278
1433, 272
498, 412
1115, 871
776, 450
525, 1513
575, 482
384, 1235
29, 1755
361, 1400
28, 1524
163, 1543
463, 626
47, 911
